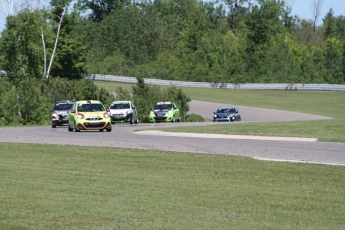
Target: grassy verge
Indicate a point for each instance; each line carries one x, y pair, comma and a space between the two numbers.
329, 104
73, 187
323, 130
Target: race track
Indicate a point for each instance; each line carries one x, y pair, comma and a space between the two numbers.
128, 136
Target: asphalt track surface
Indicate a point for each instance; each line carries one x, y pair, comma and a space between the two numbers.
304, 150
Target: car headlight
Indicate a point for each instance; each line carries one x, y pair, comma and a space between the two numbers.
170, 111
55, 115
80, 116
128, 112
215, 115
152, 112
106, 115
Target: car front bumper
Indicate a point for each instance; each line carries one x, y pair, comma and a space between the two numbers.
157, 118
93, 125
228, 119
56, 121
121, 118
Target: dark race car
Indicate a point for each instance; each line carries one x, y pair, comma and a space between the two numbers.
60, 112
227, 113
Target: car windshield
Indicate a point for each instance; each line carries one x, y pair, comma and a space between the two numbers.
162, 106
63, 106
90, 107
120, 106
226, 110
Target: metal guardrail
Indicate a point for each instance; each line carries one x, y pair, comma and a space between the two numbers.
244, 86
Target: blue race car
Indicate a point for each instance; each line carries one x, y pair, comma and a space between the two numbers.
227, 113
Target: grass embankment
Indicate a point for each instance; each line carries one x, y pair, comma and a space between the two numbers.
73, 187
329, 104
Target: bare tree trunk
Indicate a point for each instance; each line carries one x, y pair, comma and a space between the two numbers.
234, 15
56, 42
17, 100
316, 11
32, 5
13, 9
44, 54
10, 6
236, 7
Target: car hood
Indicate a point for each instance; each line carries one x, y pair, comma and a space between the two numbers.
161, 110
224, 114
93, 114
61, 111
118, 111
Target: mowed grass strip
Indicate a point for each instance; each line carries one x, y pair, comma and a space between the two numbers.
330, 104
73, 187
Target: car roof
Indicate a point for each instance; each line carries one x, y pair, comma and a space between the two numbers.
89, 102
164, 103
227, 107
65, 102
121, 102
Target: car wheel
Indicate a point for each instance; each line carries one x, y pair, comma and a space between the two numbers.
179, 119
173, 120
69, 128
136, 121
53, 125
109, 130
75, 128
131, 121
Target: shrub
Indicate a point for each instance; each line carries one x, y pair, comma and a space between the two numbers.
194, 118
145, 96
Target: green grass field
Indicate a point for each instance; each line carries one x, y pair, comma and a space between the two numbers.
328, 104
74, 187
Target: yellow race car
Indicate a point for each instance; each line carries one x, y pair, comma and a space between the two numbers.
89, 115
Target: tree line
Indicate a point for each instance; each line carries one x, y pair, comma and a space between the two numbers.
221, 41
232, 41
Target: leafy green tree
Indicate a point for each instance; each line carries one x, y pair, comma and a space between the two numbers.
101, 8
34, 106
122, 94
22, 49
21, 46
176, 94
329, 24
145, 96
265, 22
10, 109
334, 60
5, 87
237, 7
340, 27
70, 59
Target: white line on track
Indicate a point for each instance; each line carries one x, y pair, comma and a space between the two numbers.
223, 136
295, 161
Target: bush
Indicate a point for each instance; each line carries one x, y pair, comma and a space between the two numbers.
194, 118
37, 100
145, 96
